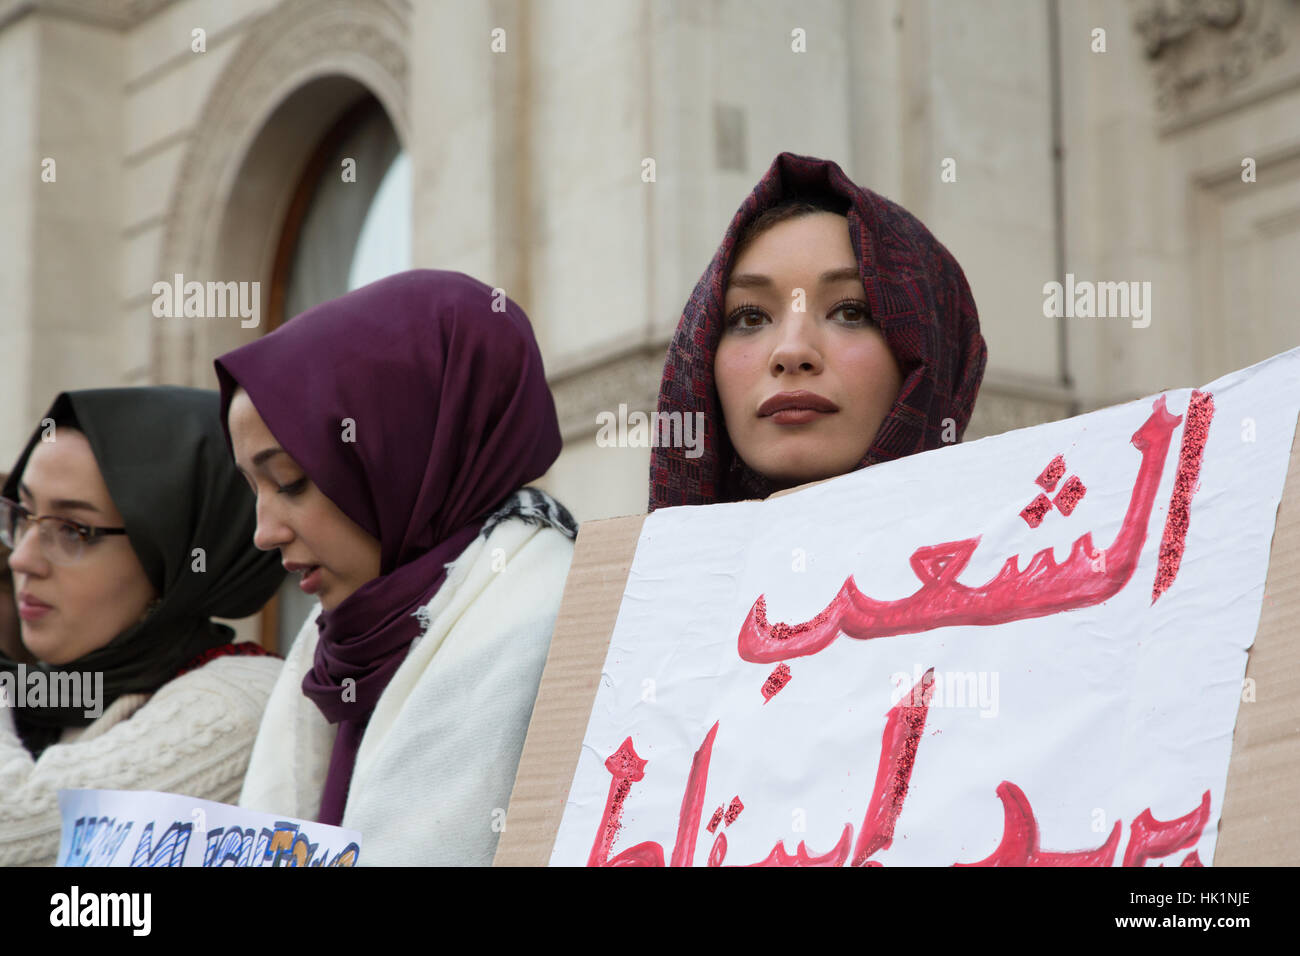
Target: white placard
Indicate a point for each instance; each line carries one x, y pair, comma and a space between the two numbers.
147, 828
1080, 704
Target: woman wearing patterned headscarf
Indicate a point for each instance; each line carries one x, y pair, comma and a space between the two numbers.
389, 435
129, 529
830, 332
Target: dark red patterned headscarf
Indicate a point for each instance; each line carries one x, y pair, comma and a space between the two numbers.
917, 293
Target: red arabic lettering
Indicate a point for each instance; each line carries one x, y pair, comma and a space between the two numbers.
1019, 846
1068, 498
625, 768
1086, 577
718, 852
1200, 411
904, 725
1051, 474
688, 821
734, 809
836, 857
1150, 838
1036, 511
779, 677
898, 745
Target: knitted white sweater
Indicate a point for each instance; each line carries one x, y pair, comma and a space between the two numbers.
193, 736
437, 762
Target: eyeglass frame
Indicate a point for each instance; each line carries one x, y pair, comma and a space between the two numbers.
85, 532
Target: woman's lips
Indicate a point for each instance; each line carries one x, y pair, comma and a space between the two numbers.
30, 609
796, 408
795, 416
311, 578
311, 582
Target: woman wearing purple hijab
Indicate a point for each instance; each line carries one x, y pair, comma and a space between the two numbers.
389, 435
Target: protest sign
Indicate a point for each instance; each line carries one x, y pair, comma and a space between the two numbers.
147, 828
1030, 649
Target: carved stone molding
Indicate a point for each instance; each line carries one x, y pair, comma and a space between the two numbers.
1204, 52
117, 14
292, 44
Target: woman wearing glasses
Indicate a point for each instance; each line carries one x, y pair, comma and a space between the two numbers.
129, 531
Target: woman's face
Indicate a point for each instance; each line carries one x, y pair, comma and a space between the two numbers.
805, 377
332, 554
69, 610
11, 645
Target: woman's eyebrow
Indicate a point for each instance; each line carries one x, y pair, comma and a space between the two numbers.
265, 454
752, 280
749, 280
848, 273
60, 504
67, 504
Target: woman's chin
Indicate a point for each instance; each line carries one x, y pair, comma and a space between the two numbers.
329, 598
798, 461
49, 649
783, 476
46, 654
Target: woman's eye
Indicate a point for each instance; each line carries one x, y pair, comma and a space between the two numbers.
69, 533
296, 488
746, 317
853, 312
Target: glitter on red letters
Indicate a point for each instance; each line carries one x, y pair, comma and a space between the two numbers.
779, 677
899, 743
733, 811
1034, 511
715, 819
1052, 473
783, 632
1200, 411
1069, 495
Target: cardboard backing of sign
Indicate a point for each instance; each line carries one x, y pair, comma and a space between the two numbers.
1259, 824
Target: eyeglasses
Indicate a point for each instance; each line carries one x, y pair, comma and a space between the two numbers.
63, 541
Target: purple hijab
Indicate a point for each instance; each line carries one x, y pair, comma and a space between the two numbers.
443, 381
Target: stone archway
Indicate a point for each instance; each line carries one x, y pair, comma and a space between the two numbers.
297, 70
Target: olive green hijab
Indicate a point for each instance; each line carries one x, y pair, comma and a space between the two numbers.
162, 453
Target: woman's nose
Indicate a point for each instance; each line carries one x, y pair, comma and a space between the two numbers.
271, 531
27, 556
798, 345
